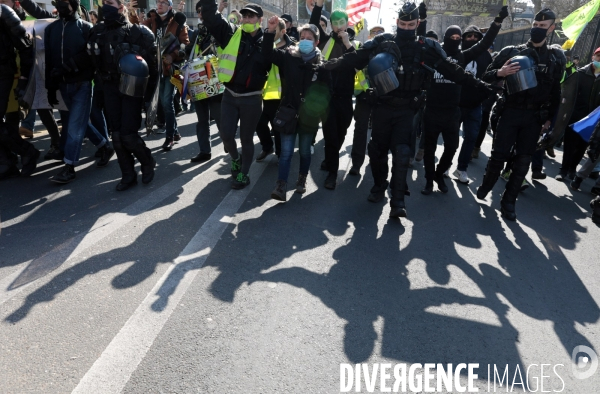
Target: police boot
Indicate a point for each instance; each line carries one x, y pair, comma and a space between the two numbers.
402, 155
29, 160
378, 159
136, 145
513, 186
492, 172
126, 163
29, 155
439, 179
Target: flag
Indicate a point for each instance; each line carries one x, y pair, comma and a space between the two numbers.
357, 8
585, 126
576, 21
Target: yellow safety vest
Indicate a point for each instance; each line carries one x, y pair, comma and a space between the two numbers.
228, 57
360, 81
272, 90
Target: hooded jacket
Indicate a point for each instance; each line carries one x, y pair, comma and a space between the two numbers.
343, 79
469, 97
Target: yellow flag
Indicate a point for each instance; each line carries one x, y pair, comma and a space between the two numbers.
574, 24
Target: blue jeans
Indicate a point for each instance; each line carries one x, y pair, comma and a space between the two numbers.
471, 122
29, 120
78, 99
166, 95
288, 142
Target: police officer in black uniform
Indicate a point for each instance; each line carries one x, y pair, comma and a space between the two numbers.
523, 114
124, 56
13, 39
400, 67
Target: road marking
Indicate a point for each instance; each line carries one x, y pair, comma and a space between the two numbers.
111, 372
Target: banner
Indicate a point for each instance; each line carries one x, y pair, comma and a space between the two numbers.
464, 7
574, 24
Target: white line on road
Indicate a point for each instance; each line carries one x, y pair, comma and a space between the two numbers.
111, 372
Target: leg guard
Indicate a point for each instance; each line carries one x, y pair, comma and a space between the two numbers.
492, 172
126, 163
520, 167
402, 155
378, 159
136, 145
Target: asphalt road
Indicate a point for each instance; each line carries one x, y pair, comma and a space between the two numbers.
187, 286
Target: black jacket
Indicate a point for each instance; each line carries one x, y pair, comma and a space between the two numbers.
547, 92
446, 94
343, 79
65, 42
303, 81
251, 69
35, 10
137, 38
13, 37
469, 97
588, 93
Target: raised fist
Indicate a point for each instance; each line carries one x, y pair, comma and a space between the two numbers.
422, 11
272, 23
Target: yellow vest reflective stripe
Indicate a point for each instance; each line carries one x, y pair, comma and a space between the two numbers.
360, 81
228, 56
328, 48
272, 89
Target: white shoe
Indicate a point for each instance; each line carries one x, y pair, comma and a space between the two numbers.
462, 176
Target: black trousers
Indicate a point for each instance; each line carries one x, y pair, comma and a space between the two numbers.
362, 115
573, 151
335, 128
123, 113
392, 131
262, 128
9, 127
445, 121
486, 110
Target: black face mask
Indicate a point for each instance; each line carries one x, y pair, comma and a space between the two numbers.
63, 9
450, 45
538, 34
110, 13
467, 44
406, 34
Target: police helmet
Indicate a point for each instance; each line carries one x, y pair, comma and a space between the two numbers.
134, 75
382, 73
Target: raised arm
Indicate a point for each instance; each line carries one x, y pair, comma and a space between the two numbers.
315, 19
488, 39
271, 54
219, 27
35, 10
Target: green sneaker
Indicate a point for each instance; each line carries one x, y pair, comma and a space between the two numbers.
505, 175
236, 166
241, 181
524, 185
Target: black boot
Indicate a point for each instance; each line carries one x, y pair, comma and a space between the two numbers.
378, 192
106, 152
29, 161
439, 179
66, 175
126, 163
513, 186
401, 160
428, 189
492, 172
136, 145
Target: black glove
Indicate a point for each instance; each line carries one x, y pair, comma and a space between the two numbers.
422, 11
502, 14
52, 100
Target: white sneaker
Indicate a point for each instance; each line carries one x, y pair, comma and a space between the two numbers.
462, 176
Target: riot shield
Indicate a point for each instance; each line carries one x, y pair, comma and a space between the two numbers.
153, 107
563, 115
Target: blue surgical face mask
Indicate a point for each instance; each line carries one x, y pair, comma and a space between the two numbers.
402, 33
306, 46
596, 64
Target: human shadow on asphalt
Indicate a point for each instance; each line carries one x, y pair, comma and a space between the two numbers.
371, 277
142, 259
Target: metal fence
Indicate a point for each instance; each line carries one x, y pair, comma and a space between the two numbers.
584, 47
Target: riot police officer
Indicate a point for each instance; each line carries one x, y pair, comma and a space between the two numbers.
401, 67
126, 62
526, 106
13, 39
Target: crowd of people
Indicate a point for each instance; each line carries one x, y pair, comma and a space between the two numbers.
104, 70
